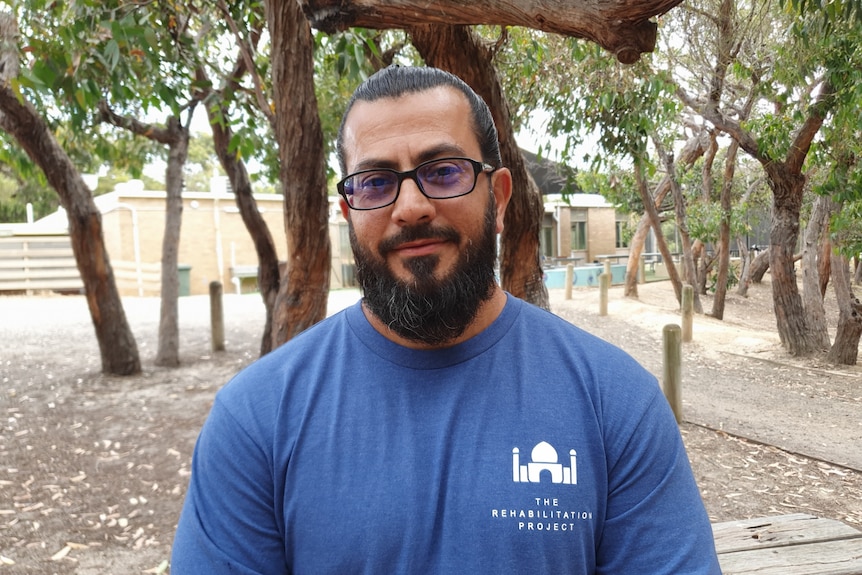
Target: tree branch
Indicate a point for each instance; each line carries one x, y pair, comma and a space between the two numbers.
149, 131
246, 52
816, 115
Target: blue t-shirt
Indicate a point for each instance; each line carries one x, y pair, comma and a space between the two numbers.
533, 447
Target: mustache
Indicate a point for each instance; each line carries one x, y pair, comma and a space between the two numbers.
414, 233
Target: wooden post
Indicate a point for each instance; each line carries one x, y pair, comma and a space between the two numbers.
687, 312
217, 316
672, 384
604, 284
570, 277
608, 267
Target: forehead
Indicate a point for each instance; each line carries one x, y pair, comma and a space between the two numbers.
403, 131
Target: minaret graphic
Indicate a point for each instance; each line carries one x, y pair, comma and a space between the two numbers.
544, 463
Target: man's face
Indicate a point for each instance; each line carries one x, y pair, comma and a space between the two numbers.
425, 266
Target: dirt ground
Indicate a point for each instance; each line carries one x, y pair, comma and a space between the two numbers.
93, 469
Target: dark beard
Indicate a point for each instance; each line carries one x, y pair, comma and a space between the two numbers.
426, 309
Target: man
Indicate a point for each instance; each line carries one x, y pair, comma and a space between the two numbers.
440, 425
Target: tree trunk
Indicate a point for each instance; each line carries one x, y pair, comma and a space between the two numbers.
787, 181
793, 328
818, 226
846, 347
759, 266
744, 269
651, 210
689, 271
824, 261
457, 50
636, 248
176, 137
168, 354
724, 232
304, 288
620, 26
268, 276
693, 149
119, 352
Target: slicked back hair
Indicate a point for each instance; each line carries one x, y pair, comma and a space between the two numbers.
397, 81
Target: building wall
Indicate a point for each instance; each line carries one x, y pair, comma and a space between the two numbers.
601, 232
212, 238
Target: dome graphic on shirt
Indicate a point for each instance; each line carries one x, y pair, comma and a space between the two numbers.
544, 466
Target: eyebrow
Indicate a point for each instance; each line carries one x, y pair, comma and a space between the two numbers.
438, 151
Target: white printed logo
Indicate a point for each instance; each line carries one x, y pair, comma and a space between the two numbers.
544, 463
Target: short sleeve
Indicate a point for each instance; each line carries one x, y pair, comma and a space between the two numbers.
228, 522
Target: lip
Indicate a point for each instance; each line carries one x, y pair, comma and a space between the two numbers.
419, 247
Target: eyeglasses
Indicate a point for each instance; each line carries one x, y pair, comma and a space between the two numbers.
437, 179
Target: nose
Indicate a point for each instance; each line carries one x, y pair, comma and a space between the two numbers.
412, 206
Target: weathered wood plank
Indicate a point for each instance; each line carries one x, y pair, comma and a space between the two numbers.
823, 558
777, 531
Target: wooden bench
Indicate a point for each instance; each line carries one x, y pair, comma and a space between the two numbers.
797, 544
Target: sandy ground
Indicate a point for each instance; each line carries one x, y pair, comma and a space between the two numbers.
93, 468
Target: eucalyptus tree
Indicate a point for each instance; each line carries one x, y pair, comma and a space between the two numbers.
461, 51
152, 51
802, 76
304, 288
34, 100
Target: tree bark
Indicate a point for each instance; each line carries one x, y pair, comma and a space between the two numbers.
744, 268
176, 136
620, 26
845, 349
168, 354
636, 248
787, 183
818, 226
759, 266
456, 49
693, 149
689, 271
268, 275
117, 347
793, 328
651, 210
724, 232
304, 288
824, 261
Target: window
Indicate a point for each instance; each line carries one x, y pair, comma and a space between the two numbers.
579, 229
579, 236
623, 233
546, 241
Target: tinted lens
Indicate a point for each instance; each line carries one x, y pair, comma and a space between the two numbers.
447, 178
367, 190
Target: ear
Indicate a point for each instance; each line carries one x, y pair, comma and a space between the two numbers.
345, 210
501, 182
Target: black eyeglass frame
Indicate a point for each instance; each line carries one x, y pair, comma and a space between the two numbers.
478, 168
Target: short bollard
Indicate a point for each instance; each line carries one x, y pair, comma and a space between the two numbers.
570, 279
687, 312
604, 285
672, 384
217, 316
